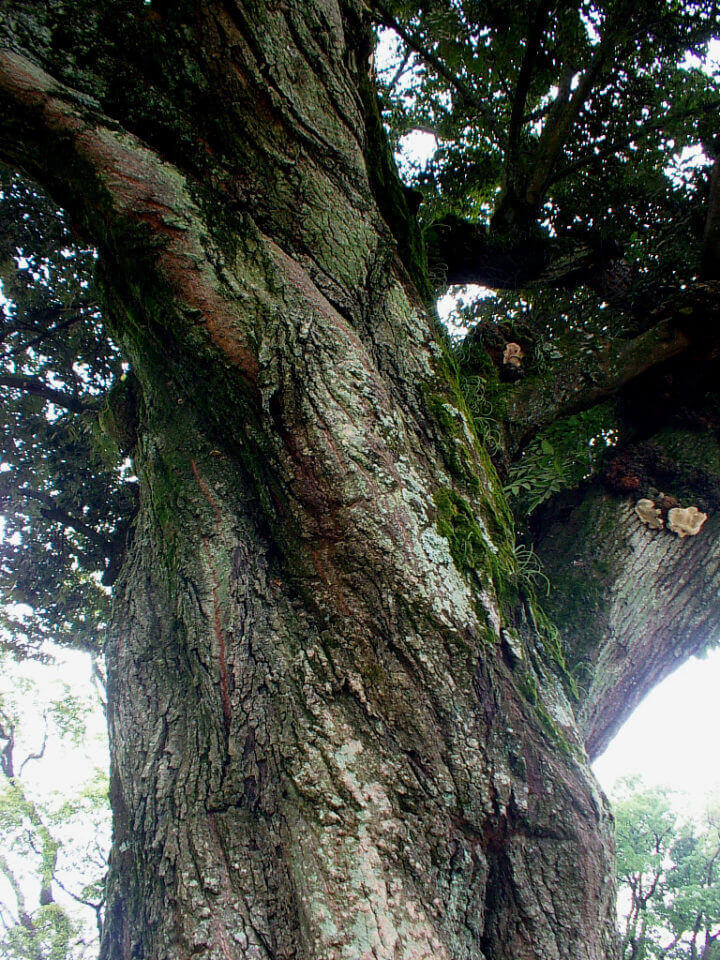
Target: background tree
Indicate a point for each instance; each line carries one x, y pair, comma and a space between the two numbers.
51, 843
342, 723
668, 871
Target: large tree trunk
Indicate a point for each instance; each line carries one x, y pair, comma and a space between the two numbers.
327, 741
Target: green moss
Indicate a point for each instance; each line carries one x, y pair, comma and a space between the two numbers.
456, 522
118, 418
459, 457
553, 731
690, 449
472, 550
528, 687
551, 642
463, 445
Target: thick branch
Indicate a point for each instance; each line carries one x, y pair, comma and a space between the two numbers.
580, 383
522, 87
39, 389
468, 253
688, 320
632, 603
561, 120
125, 185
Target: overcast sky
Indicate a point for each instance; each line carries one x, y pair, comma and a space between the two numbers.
673, 737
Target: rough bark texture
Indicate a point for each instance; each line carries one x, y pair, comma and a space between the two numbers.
324, 745
633, 603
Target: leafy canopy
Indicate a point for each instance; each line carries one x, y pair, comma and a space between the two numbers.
669, 876
64, 493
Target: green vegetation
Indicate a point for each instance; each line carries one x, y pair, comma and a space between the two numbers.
53, 843
669, 876
562, 457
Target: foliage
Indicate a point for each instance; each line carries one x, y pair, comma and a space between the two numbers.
562, 457
501, 86
669, 875
64, 494
49, 844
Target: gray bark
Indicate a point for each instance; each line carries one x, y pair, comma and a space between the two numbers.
321, 747
633, 603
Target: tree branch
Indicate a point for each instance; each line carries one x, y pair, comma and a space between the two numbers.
42, 337
7, 760
631, 603
52, 511
402, 67
39, 754
39, 389
468, 253
469, 96
16, 887
579, 384
522, 87
123, 182
561, 120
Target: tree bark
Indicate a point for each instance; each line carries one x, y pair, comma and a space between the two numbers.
633, 603
321, 745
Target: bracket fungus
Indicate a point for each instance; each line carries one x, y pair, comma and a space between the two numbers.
513, 355
649, 514
686, 521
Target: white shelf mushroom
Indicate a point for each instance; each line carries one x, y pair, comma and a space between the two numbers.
649, 514
686, 521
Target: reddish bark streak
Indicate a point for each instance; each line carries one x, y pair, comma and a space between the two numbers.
208, 496
141, 188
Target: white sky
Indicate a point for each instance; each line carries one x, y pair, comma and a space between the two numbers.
673, 737
65, 765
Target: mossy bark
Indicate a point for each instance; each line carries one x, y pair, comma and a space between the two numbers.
321, 746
